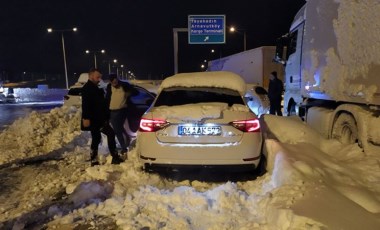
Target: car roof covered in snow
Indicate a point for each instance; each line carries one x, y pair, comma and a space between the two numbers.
217, 79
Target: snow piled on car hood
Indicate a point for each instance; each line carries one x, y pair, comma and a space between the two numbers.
217, 79
196, 112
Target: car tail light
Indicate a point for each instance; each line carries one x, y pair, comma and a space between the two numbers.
148, 125
252, 125
66, 97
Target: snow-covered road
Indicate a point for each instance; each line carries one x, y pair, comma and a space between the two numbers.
312, 183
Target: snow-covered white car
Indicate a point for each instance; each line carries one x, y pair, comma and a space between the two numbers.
73, 96
2, 98
257, 99
200, 119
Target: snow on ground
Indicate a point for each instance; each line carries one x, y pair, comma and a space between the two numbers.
311, 183
39, 134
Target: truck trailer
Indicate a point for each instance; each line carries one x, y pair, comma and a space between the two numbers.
254, 65
332, 68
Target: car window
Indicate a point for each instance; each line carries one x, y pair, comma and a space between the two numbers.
181, 96
75, 91
144, 97
260, 90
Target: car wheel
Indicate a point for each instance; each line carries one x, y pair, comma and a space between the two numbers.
261, 168
345, 129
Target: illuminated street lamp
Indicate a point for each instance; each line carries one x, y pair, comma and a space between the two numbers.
109, 65
213, 52
233, 29
204, 65
50, 30
95, 52
122, 71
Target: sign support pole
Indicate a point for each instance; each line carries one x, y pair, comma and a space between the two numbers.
175, 41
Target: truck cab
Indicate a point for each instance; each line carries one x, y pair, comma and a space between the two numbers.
291, 43
332, 67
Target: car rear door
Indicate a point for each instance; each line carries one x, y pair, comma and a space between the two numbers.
139, 104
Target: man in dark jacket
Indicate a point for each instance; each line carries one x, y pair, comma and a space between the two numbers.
118, 95
95, 116
275, 94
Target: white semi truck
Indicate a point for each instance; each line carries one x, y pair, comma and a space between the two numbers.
254, 65
332, 68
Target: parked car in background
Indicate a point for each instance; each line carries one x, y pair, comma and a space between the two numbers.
150, 85
11, 97
140, 103
257, 99
200, 119
2, 98
73, 96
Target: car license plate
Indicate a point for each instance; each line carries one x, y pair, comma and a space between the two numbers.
200, 130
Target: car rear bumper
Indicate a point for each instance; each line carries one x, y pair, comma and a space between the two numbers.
245, 152
211, 168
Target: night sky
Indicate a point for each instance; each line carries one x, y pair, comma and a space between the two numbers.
139, 34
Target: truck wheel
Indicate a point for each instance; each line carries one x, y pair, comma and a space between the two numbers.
345, 129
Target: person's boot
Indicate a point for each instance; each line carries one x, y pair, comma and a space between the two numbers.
94, 157
124, 154
116, 159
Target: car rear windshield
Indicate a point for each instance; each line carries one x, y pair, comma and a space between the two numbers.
75, 91
182, 96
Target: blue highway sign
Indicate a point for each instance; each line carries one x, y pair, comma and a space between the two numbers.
207, 29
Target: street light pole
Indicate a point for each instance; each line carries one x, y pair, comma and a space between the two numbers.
95, 60
122, 71
50, 30
233, 29
245, 40
175, 41
64, 60
109, 65
94, 52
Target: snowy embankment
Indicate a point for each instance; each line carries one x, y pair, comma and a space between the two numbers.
40, 134
311, 183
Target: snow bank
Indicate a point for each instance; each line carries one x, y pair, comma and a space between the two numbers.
141, 200
40, 133
331, 155
312, 183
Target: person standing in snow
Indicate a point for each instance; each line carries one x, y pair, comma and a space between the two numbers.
95, 117
275, 94
117, 97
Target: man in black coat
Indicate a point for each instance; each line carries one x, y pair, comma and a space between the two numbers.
275, 94
95, 116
